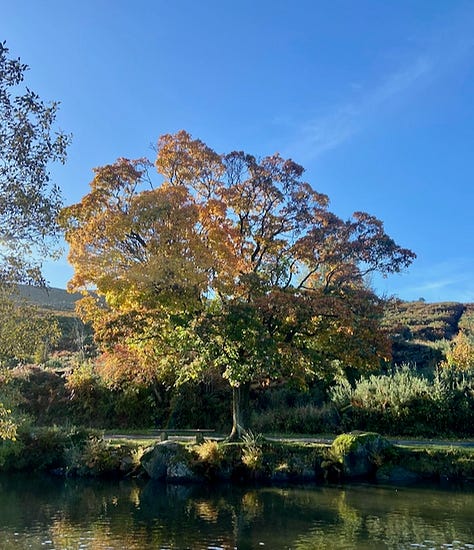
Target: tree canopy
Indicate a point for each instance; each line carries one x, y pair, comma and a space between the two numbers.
29, 201
231, 263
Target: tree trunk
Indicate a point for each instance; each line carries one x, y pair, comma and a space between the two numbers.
240, 411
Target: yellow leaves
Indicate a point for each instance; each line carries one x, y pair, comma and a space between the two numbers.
246, 232
186, 161
8, 427
461, 353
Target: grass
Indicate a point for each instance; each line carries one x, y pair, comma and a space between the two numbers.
146, 437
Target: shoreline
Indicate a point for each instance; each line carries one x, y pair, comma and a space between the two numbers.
350, 457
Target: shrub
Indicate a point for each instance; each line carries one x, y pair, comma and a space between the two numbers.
405, 403
252, 452
89, 397
99, 458
38, 449
304, 419
210, 458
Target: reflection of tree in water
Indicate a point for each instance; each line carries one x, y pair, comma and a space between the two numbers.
369, 517
98, 515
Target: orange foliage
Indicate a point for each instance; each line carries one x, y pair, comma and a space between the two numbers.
153, 262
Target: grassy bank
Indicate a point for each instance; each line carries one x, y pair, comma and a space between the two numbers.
86, 453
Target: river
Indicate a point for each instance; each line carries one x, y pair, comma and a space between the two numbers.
50, 513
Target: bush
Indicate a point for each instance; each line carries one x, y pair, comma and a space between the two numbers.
90, 401
98, 458
210, 457
305, 419
252, 451
39, 449
405, 403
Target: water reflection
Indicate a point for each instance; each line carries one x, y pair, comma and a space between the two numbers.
41, 512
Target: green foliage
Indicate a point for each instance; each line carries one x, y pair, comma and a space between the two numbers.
347, 443
9, 400
356, 454
405, 403
29, 204
99, 458
8, 426
73, 451
449, 463
300, 419
52, 397
382, 391
86, 391
25, 331
40, 448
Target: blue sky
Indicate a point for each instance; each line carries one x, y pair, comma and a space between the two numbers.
374, 98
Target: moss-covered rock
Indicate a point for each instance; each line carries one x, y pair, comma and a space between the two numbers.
356, 455
168, 461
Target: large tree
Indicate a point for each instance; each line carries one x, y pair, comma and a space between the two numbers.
231, 263
29, 202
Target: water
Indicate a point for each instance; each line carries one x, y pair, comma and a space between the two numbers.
49, 513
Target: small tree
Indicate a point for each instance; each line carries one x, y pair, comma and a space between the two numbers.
461, 352
232, 263
29, 202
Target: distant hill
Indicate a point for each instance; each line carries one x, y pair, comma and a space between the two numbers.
56, 299
421, 331
423, 320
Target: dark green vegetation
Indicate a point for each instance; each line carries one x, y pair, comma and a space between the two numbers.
67, 389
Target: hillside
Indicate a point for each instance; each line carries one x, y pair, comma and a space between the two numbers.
424, 321
420, 331
55, 299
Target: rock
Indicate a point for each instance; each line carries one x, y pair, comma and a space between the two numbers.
180, 471
359, 454
126, 465
168, 461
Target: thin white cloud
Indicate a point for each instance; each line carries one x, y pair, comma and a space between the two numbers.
444, 48
328, 132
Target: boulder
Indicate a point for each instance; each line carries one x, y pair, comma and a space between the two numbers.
168, 461
359, 454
